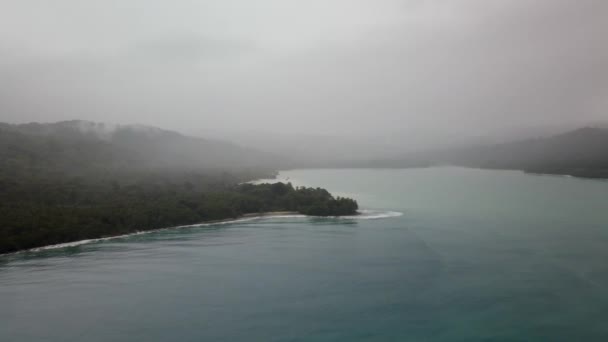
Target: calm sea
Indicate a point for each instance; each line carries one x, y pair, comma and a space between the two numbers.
475, 255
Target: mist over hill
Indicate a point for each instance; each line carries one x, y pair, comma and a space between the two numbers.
82, 146
582, 152
75, 180
389, 150
75, 146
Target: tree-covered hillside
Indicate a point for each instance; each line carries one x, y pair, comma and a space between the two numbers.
39, 213
581, 153
64, 183
82, 146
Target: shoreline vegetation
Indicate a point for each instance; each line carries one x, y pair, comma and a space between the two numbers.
250, 216
38, 214
78, 180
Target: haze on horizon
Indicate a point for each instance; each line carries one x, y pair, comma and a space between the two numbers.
409, 73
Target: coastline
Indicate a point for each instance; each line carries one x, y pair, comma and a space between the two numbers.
363, 214
241, 218
269, 213
68, 213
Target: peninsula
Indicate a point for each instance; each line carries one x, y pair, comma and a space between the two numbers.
77, 180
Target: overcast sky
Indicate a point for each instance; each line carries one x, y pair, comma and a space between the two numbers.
415, 70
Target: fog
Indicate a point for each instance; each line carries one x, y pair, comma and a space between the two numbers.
390, 75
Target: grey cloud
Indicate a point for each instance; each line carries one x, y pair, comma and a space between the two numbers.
416, 73
188, 47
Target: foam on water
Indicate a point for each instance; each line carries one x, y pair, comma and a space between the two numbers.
364, 214
375, 214
84, 242
87, 241
432, 277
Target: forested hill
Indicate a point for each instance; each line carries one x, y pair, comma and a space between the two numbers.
79, 180
78, 146
582, 153
39, 214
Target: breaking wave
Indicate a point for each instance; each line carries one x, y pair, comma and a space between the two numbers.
375, 214
363, 215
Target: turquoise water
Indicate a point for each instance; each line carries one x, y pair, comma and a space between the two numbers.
476, 256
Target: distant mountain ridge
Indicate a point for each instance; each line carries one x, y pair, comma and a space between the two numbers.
582, 152
79, 180
77, 144
101, 130
85, 144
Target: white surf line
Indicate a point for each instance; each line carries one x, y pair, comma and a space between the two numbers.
364, 215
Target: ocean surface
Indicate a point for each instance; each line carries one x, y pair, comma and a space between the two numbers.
440, 254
